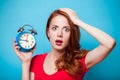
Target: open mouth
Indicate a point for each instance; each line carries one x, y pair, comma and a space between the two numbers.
58, 42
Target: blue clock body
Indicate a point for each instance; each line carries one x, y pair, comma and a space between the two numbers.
26, 39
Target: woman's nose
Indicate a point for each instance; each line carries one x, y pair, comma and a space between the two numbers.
59, 34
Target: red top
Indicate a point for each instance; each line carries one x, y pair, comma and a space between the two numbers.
39, 74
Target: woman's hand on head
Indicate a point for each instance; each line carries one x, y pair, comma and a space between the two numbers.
73, 16
25, 57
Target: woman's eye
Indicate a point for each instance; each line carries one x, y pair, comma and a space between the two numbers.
67, 29
54, 28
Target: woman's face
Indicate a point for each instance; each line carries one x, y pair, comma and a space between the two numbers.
59, 32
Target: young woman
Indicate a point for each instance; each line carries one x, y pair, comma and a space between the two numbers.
66, 61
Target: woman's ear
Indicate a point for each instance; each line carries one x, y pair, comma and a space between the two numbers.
48, 34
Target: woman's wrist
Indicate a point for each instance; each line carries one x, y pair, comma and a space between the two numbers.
25, 70
79, 23
26, 63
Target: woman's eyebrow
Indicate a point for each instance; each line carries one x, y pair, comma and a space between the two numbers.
66, 27
63, 26
55, 25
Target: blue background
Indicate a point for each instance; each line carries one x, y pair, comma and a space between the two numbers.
103, 14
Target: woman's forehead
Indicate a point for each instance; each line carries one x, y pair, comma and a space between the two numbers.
59, 20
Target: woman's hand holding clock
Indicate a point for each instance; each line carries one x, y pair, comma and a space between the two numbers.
25, 57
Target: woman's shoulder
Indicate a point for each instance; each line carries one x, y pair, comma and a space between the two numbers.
39, 56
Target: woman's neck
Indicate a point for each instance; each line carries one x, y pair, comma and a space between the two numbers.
55, 54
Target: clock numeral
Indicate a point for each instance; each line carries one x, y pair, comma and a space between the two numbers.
30, 44
20, 42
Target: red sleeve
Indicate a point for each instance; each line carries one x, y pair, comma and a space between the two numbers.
35, 63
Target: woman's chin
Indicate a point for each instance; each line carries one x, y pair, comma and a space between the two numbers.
59, 48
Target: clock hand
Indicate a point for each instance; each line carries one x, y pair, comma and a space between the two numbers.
23, 40
27, 38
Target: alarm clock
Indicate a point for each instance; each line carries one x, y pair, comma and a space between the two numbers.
26, 38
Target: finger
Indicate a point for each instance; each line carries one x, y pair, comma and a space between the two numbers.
17, 47
14, 42
65, 9
62, 9
17, 50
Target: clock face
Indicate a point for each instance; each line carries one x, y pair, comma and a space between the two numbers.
27, 41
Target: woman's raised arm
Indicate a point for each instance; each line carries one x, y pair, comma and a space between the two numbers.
107, 43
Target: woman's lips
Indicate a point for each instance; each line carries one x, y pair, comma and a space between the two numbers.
58, 42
